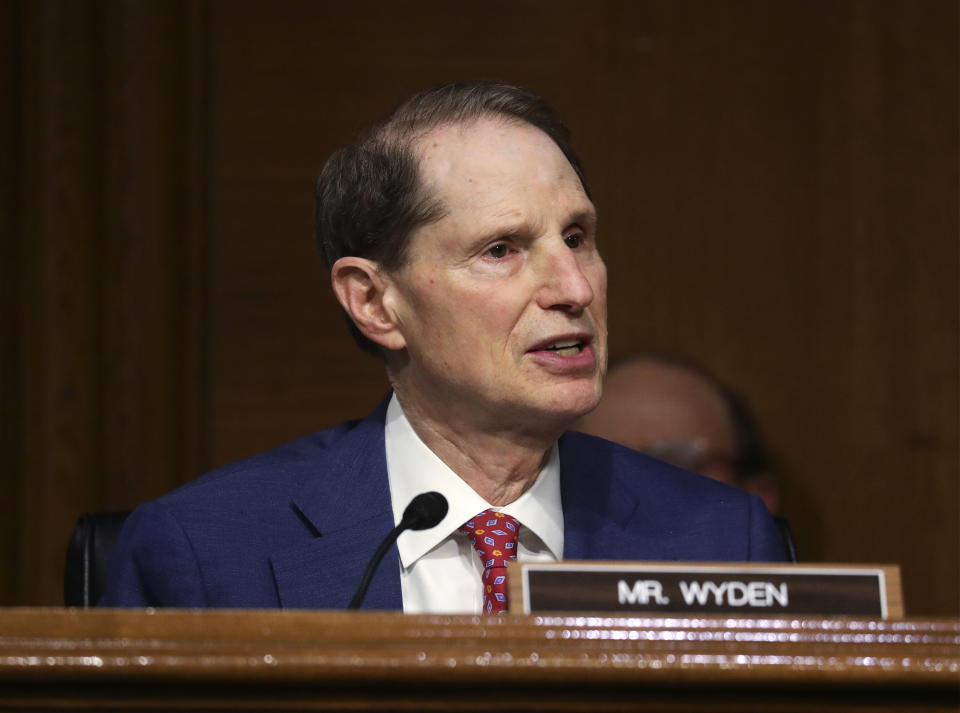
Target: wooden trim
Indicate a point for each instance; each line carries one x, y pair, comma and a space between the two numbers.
370, 661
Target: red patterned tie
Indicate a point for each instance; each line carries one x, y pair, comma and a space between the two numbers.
494, 535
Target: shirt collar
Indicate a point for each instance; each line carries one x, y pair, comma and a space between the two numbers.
412, 468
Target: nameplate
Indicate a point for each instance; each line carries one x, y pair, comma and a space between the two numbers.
746, 589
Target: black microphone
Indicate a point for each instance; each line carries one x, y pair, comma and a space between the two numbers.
424, 511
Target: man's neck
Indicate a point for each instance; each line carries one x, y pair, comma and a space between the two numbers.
497, 463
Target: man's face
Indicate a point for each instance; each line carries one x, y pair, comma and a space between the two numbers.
502, 302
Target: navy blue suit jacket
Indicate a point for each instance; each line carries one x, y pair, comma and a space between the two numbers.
295, 527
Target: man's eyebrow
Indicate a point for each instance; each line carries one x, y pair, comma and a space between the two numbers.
501, 232
585, 217
513, 224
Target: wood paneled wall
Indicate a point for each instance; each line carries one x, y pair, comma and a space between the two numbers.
777, 184
109, 179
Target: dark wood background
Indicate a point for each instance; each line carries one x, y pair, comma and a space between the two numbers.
777, 184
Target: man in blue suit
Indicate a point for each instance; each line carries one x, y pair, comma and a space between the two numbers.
462, 245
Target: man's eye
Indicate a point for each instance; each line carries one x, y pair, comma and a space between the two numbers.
573, 241
498, 251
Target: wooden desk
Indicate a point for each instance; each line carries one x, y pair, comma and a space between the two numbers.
66, 659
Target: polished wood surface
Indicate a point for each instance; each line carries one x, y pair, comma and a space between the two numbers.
271, 660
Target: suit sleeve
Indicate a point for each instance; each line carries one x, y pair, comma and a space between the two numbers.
766, 545
153, 564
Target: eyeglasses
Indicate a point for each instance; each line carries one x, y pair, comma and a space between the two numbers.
695, 455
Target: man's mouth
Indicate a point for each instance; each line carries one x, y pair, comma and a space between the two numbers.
567, 346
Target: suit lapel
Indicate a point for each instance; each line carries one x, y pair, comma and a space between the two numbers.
346, 501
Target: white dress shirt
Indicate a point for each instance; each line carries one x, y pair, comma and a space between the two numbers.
439, 569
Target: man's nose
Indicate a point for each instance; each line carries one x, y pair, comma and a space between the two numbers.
564, 284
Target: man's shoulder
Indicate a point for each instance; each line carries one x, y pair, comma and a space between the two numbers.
652, 510
211, 541
633, 469
286, 464
270, 478
626, 476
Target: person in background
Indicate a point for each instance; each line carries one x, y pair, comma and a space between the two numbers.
676, 411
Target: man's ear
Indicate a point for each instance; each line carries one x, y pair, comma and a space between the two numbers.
360, 288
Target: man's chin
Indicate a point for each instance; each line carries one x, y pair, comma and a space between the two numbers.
565, 406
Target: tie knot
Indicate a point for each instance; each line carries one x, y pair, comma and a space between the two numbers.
494, 535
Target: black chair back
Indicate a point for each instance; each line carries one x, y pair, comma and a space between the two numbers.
88, 553
786, 534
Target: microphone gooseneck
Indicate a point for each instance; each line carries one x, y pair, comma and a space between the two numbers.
426, 510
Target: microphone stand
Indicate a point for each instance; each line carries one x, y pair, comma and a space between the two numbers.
425, 511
